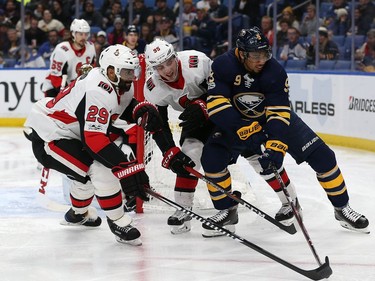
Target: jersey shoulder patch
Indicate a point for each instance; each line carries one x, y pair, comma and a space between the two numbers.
193, 61
150, 84
105, 86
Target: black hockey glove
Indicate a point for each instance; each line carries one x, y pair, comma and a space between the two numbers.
133, 179
253, 135
272, 156
147, 116
175, 160
194, 116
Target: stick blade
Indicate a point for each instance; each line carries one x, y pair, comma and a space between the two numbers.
322, 272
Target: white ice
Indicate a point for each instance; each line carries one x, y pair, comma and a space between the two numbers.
35, 247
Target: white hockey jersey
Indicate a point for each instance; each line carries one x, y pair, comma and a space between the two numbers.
195, 68
90, 100
66, 60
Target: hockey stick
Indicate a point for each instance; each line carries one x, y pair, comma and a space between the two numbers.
296, 214
323, 271
288, 228
42, 197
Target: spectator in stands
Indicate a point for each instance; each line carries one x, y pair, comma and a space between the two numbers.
328, 49
61, 13
219, 14
4, 27
204, 29
294, 50
368, 62
266, 25
11, 44
288, 15
310, 22
34, 36
369, 45
93, 17
163, 10
342, 23
2, 61
167, 32
282, 34
113, 13
367, 10
188, 15
38, 11
48, 23
249, 8
133, 41
146, 33
32, 59
140, 13
4, 20
117, 35
331, 14
46, 49
100, 44
203, 4
12, 11
26, 22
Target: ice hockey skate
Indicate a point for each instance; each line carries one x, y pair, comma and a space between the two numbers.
285, 214
179, 222
352, 220
124, 232
227, 219
90, 218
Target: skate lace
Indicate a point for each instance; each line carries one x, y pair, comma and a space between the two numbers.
350, 214
285, 209
220, 216
179, 215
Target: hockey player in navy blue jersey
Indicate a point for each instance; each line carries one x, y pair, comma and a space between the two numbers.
248, 100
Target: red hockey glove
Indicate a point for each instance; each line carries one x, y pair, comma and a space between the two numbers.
272, 156
194, 116
175, 160
147, 116
133, 179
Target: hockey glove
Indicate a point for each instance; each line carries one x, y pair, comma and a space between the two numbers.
273, 155
147, 116
194, 116
175, 160
253, 135
133, 179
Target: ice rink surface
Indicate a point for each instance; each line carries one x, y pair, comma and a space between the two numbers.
35, 247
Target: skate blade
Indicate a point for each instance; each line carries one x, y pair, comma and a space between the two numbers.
134, 242
179, 229
210, 233
66, 223
360, 230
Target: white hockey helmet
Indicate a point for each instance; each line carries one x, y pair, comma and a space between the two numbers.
79, 25
124, 61
158, 52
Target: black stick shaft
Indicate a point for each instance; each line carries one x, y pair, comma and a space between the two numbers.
289, 229
324, 271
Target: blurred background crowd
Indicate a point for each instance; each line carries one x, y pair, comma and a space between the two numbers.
326, 35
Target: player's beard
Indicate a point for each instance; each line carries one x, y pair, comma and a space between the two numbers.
124, 86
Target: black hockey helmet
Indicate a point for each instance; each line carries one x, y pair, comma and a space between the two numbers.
252, 40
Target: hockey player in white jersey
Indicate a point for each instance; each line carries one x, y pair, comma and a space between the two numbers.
71, 134
179, 80
68, 57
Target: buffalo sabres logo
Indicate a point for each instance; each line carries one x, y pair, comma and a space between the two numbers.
248, 80
250, 104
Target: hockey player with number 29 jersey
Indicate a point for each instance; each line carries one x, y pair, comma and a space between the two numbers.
71, 134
